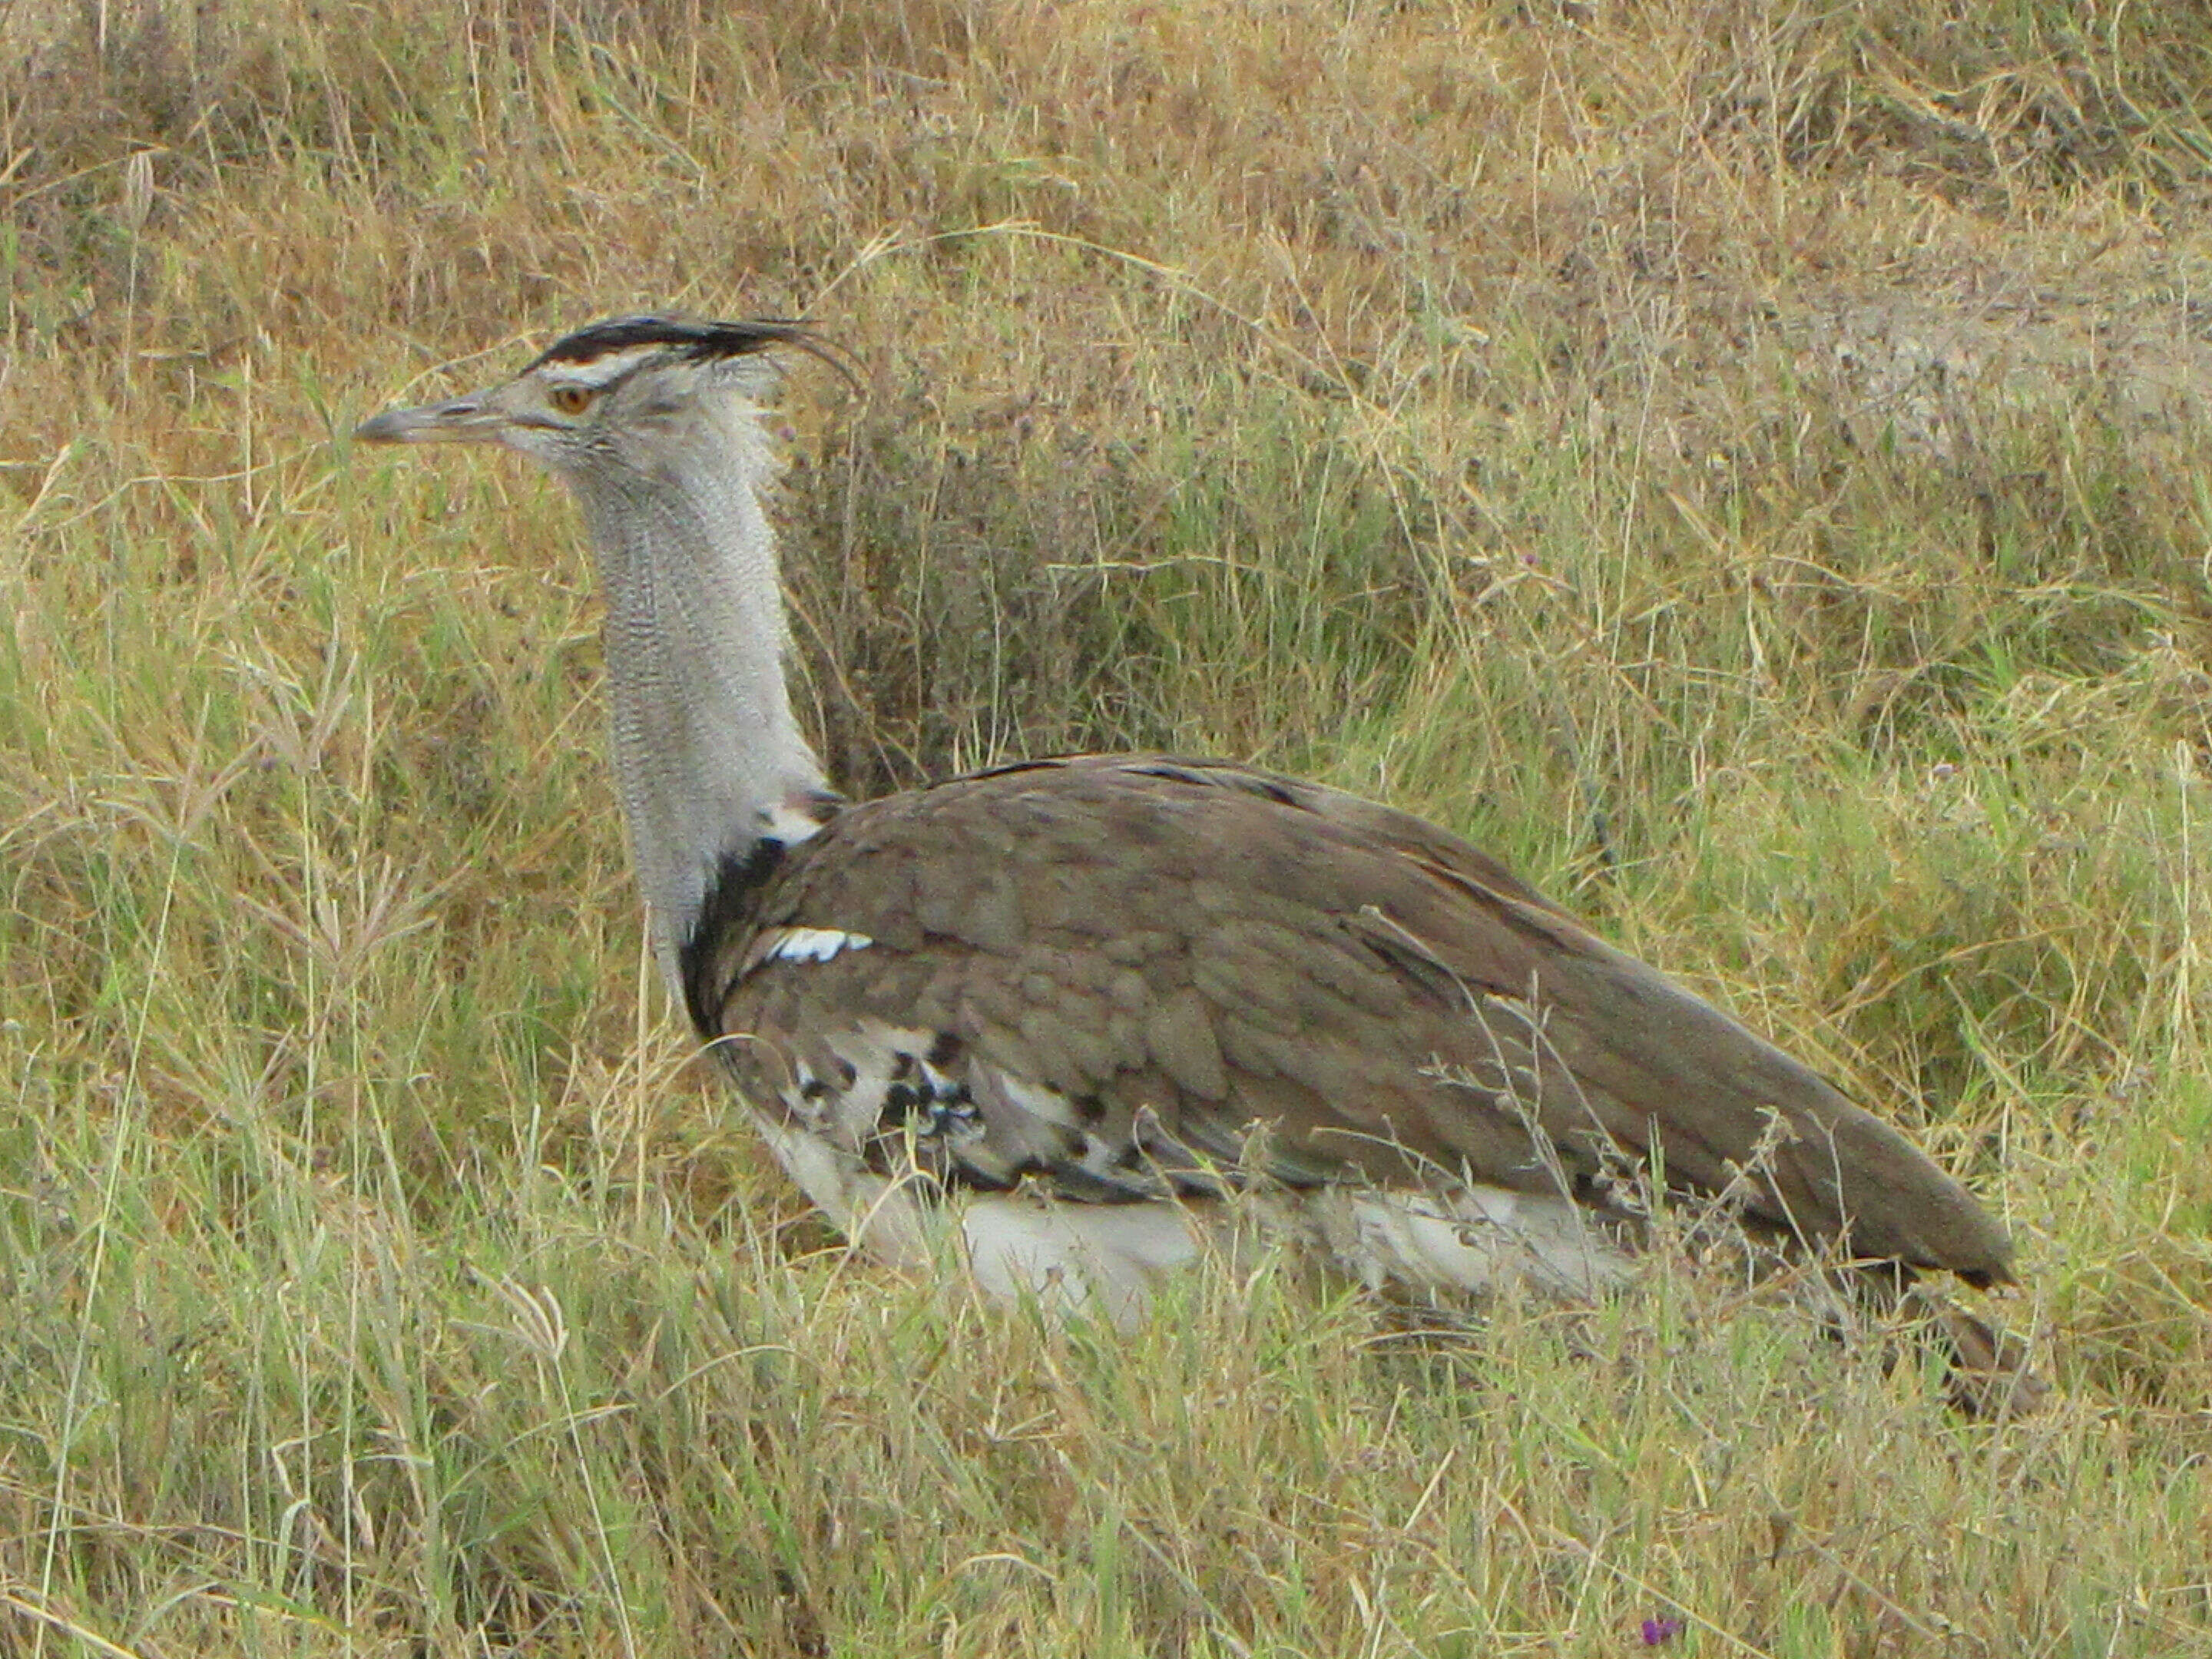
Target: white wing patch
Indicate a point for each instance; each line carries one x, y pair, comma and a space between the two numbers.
804, 944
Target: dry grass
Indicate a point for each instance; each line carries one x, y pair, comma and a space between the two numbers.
1742, 460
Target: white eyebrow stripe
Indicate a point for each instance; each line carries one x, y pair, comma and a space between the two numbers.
602, 371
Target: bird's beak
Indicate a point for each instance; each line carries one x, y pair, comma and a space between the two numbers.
458, 420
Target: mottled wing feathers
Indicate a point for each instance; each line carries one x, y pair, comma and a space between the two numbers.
1653, 1062
1125, 964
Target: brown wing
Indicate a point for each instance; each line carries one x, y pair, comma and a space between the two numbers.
1121, 965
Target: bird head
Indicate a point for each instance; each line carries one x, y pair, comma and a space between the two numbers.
628, 395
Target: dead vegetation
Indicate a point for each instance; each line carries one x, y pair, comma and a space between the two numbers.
1742, 460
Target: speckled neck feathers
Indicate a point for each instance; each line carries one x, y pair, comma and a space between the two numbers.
707, 754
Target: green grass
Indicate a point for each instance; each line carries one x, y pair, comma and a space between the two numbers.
1742, 461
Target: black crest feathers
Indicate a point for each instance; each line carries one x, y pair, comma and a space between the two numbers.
695, 341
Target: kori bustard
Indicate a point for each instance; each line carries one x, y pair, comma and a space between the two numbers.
1056, 1013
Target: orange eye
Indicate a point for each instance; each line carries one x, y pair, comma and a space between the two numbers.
570, 399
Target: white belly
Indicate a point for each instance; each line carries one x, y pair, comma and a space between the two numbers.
1112, 1257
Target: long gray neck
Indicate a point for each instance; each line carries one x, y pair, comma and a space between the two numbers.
707, 755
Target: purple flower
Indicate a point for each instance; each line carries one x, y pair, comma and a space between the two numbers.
1658, 1631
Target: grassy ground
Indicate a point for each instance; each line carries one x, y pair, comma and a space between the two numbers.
1743, 461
